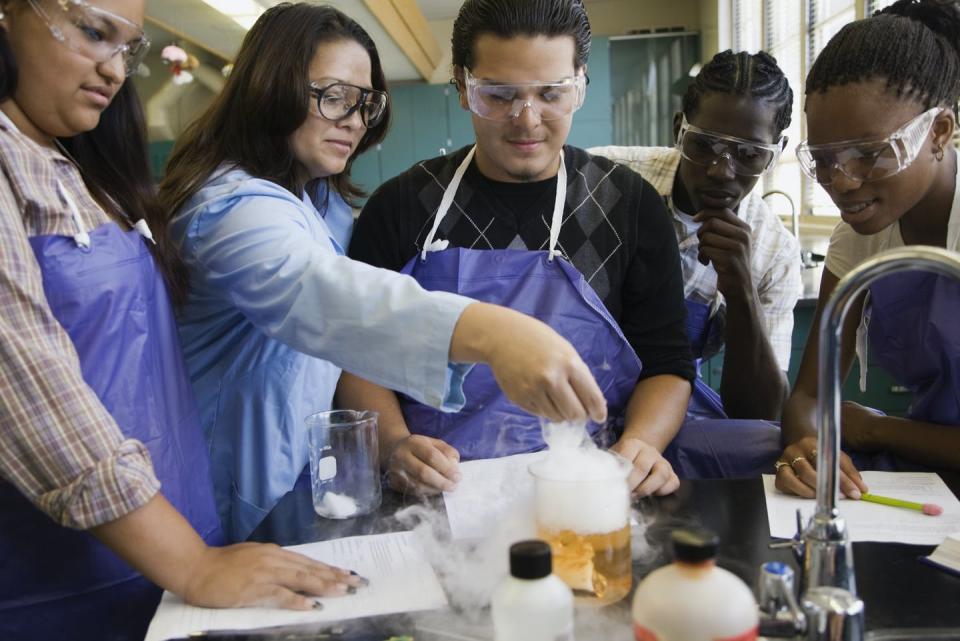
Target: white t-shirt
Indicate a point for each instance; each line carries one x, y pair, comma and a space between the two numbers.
848, 248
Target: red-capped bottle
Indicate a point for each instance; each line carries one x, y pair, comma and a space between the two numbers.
692, 599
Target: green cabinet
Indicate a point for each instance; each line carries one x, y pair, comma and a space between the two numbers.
882, 391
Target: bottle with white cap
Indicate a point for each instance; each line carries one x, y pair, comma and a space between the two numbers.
532, 604
692, 599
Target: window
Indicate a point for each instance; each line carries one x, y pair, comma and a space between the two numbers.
747, 20
794, 32
875, 5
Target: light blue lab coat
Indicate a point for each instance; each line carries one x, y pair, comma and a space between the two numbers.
275, 310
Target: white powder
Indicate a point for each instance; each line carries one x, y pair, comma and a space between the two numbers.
338, 506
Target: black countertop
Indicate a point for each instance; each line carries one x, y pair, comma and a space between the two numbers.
898, 590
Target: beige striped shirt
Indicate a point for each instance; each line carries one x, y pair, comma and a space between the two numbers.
775, 253
58, 445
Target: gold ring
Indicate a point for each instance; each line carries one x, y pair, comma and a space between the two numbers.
796, 460
778, 465
813, 454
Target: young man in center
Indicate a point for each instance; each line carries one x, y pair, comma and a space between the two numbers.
526, 221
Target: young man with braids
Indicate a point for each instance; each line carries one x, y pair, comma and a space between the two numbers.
521, 218
881, 115
741, 267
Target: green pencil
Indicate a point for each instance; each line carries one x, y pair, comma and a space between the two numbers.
930, 509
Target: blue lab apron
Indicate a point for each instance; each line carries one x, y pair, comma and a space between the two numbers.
58, 583
540, 284
914, 335
255, 463
710, 445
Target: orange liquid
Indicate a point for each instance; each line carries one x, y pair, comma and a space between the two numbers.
596, 566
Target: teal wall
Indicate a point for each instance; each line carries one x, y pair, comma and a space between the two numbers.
428, 121
882, 391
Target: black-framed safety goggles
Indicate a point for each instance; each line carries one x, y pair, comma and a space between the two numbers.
339, 100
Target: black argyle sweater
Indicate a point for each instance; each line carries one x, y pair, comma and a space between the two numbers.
616, 231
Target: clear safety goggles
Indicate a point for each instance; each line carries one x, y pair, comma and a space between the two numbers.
748, 157
339, 101
868, 160
93, 32
496, 100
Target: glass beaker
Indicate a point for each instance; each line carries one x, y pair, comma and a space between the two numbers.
344, 463
582, 508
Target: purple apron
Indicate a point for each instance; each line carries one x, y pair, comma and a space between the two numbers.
537, 283
710, 445
914, 334
58, 583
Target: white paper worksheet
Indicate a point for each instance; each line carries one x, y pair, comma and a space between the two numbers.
873, 522
486, 490
392, 562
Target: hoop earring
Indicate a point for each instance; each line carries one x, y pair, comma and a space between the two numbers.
939, 153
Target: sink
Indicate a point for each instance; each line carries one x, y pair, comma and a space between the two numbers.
914, 634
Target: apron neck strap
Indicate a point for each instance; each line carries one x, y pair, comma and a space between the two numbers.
450, 192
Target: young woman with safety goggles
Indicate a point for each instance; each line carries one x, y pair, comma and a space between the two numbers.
881, 102
257, 192
105, 492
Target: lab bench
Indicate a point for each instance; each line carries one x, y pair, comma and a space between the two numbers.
898, 590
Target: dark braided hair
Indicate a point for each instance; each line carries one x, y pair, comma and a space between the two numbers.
509, 18
913, 44
743, 74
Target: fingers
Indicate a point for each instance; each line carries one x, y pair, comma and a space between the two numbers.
425, 466
788, 482
851, 483
566, 402
660, 480
587, 390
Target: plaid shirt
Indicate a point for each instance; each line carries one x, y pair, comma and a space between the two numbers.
58, 445
775, 252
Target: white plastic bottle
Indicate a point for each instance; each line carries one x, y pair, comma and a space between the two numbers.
692, 599
531, 604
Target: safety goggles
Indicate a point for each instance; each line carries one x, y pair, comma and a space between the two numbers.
495, 100
93, 32
339, 101
748, 157
868, 160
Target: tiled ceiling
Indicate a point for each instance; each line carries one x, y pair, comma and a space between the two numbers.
212, 30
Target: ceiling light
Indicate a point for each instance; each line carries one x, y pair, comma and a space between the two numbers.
243, 12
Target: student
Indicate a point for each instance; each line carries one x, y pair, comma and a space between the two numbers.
96, 413
583, 244
881, 101
741, 268
256, 191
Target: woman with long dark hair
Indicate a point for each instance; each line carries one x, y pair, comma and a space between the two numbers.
257, 190
96, 413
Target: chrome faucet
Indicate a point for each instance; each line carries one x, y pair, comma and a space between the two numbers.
828, 560
828, 582
794, 217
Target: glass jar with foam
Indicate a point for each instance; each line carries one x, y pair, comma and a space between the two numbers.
582, 508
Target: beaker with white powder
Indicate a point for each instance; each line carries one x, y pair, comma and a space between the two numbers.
344, 463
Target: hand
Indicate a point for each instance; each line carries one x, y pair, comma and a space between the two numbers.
798, 473
423, 465
725, 243
256, 574
537, 369
857, 427
651, 474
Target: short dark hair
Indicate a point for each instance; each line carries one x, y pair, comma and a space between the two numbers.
509, 18
266, 98
913, 44
743, 74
